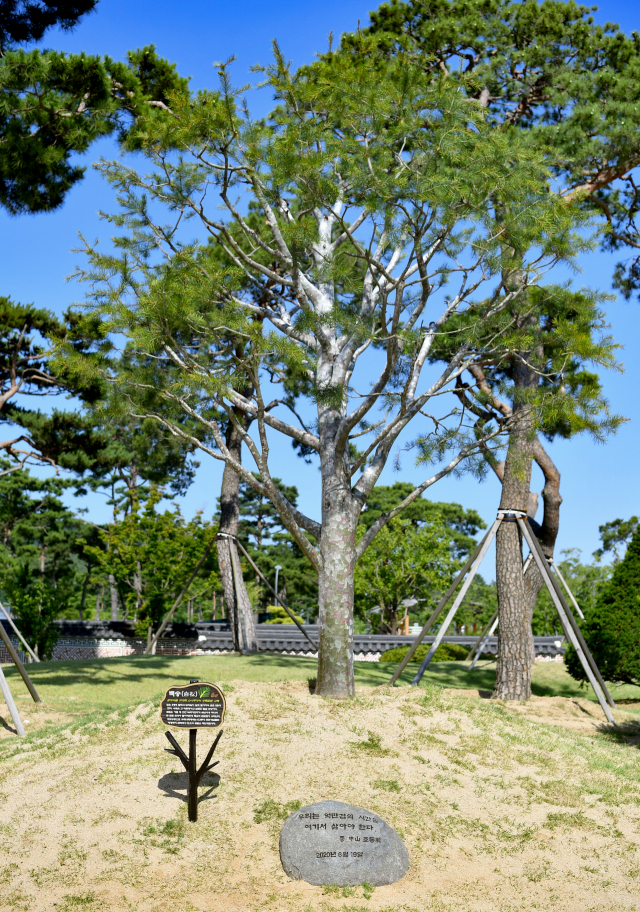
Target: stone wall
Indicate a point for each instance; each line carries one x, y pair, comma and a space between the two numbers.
115, 639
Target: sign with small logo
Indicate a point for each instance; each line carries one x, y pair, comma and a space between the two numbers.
198, 705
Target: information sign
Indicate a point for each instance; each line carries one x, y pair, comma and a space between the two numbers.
199, 705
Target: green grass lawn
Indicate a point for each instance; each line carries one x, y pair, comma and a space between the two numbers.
80, 687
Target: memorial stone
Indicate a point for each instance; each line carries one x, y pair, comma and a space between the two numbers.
335, 843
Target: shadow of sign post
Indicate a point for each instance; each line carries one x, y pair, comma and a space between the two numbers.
193, 706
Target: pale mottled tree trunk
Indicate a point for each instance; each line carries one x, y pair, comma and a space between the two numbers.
335, 591
337, 546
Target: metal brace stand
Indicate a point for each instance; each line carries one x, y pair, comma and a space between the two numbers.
556, 570
571, 630
4, 685
483, 639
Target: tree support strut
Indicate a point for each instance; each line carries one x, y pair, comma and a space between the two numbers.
571, 630
16, 661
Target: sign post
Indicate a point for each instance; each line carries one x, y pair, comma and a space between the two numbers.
193, 706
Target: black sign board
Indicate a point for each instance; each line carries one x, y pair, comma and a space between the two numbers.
198, 705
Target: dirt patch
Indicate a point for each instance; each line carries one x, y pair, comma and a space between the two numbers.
35, 716
501, 806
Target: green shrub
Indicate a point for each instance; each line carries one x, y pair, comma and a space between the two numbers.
36, 604
612, 627
446, 652
277, 615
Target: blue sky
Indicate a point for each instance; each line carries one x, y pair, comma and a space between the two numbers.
599, 482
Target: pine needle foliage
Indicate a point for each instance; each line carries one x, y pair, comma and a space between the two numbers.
384, 200
612, 627
547, 69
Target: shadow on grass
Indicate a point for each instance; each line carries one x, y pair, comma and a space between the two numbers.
103, 671
627, 732
74, 672
440, 674
120, 681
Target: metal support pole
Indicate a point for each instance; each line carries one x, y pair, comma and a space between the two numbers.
569, 592
564, 619
576, 630
452, 611
16, 660
436, 613
269, 586
484, 642
151, 645
484, 633
13, 709
18, 634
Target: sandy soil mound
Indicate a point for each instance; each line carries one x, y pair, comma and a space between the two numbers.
502, 807
579, 715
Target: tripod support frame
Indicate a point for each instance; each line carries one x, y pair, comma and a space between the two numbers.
571, 630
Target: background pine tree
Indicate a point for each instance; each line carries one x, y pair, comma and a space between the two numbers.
612, 627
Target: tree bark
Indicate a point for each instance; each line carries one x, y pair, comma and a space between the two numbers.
335, 603
239, 610
546, 532
515, 640
83, 599
515, 647
114, 597
335, 579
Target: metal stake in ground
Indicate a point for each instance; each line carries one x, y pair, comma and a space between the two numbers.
13, 709
153, 641
566, 617
18, 634
569, 592
16, 661
269, 586
436, 613
483, 639
452, 611
195, 705
571, 630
